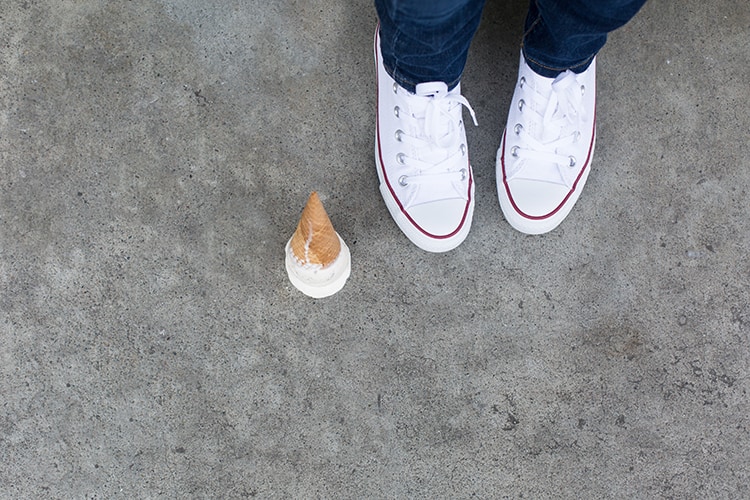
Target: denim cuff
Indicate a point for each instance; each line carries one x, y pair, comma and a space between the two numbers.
410, 84
551, 71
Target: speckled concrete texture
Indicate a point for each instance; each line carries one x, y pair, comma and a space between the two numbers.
155, 156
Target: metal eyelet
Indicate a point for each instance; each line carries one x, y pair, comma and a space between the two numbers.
463, 149
395, 88
514, 151
402, 181
583, 89
401, 158
572, 161
396, 111
521, 104
517, 129
522, 82
398, 134
464, 174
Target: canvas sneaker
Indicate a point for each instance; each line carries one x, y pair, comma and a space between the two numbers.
545, 153
422, 160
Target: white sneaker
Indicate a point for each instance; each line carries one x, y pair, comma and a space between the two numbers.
422, 160
545, 154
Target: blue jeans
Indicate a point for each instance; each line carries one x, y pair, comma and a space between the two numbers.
428, 40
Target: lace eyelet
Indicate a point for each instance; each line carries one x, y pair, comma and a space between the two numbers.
517, 129
572, 161
395, 88
522, 82
464, 174
463, 149
396, 111
514, 151
402, 181
521, 104
583, 89
398, 135
401, 158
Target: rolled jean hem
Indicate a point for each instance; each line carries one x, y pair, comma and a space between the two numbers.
551, 71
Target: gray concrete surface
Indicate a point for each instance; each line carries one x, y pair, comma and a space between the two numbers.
154, 158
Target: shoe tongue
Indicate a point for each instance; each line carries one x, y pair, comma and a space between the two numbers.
436, 124
549, 130
431, 89
556, 108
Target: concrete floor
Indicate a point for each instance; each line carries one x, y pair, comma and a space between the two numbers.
155, 156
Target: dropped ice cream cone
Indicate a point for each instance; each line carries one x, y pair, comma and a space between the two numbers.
315, 241
317, 259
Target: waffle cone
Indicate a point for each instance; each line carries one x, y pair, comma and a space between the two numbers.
315, 241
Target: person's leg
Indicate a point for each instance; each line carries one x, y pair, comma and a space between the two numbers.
420, 143
545, 153
567, 35
427, 41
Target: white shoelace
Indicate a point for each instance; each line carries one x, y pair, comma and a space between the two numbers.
435, 137
549, 129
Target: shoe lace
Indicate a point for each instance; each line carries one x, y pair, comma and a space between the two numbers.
552, 123
434, 136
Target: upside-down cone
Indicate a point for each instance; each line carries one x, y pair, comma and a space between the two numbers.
315, 241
